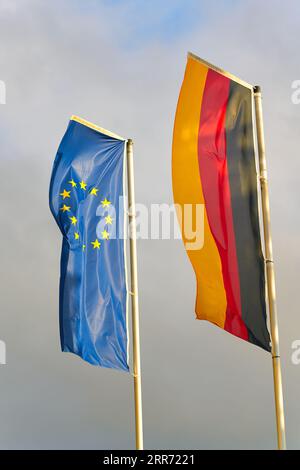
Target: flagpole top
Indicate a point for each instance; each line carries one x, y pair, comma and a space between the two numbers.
257, 89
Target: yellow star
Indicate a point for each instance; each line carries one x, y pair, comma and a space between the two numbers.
65, 208
83, 185
73, 220
96, 244
105, 235
105, 203
83, 247
65, 194
72, 182
76, 235
108, 220
94, 191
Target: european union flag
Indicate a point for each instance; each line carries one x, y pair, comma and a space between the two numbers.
87, 202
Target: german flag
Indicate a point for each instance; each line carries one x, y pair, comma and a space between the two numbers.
214, 165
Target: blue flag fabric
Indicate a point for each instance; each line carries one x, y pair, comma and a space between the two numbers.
87, 202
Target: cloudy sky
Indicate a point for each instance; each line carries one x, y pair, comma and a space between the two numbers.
120, 64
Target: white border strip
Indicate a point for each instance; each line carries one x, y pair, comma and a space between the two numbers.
219, 70
95, 127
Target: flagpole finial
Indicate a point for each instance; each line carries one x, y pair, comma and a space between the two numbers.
257, 89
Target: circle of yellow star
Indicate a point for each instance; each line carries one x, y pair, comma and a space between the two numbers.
65, 208
105, 235
94, 191
105, 203
65, 194
108, 220
83, 185
96, 244
73, 220
76, 235
72, 182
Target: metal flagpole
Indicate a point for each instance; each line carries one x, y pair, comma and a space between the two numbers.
134, 303
270, 271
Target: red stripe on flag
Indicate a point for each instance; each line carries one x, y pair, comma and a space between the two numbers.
216, 189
